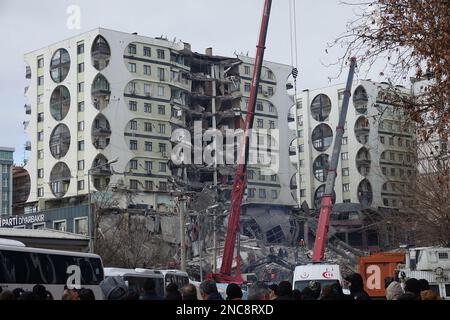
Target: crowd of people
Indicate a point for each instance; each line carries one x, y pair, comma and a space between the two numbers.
39, 292
411, 289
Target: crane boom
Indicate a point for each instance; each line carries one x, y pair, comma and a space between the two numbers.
240, 179
327, 198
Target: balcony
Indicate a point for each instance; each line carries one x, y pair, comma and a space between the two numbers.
101, 131
101, 171
28, 73
28, 145
27, 108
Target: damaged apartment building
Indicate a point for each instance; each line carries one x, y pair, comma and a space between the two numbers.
103, 106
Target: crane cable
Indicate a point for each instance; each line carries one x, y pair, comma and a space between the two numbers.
293, 39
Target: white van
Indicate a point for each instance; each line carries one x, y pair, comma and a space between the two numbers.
24, 267
325, 274
135, 278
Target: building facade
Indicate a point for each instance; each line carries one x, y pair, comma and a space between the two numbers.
103, 107
378, 148
6, 164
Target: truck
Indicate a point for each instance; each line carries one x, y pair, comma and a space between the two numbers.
375, 268
429, 263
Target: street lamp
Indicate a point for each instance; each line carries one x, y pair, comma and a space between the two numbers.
91, 213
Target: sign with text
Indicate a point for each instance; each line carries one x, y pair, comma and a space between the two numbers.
13, 221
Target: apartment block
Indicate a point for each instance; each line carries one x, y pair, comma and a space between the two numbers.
6, 164
378, 148
103, 107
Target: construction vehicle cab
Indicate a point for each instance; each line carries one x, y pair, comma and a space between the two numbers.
429, 263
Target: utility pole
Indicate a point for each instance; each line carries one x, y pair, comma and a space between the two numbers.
182, 209
200, 244
214, 124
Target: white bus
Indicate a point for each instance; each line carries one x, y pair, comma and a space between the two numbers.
135, 278
23, 267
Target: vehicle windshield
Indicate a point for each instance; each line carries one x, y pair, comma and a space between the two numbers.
136, 284
300, 285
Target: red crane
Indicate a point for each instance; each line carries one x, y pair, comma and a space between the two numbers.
326, 203
240, 179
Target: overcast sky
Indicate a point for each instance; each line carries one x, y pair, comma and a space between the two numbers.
227, 26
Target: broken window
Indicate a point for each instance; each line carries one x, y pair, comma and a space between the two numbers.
275, 235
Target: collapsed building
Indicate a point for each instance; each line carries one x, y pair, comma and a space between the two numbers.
110, 112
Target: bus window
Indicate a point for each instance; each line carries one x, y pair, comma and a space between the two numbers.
35, 268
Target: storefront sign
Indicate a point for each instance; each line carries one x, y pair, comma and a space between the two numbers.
14, 221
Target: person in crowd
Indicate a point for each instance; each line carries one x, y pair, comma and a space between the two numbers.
70, 294
297, 294
316, 288
234, 292
429, 295
259, 293
387, 281
285, 291
18, 292
7, 295
172, 292
412, 290
308, 294
337, 292
424, 285
208, 290
327, 293
133, 295
86, 294
394, 291
189, 292
150, 291
356, 287
273, 291
40, 293
26, 295
48, 295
